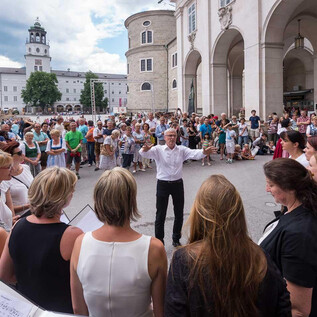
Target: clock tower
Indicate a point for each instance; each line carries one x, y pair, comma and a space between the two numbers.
37, 56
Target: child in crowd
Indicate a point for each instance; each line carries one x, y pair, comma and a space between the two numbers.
207, 142
237, 153
230, 144
246, 153
271, 147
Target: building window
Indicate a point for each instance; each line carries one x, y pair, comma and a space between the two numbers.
5, 88
67, 99
67, 90
40, 68
119, 92
67, 81
74, 90
174, 60
106, 91
192, 18
147, 37
15, 88
75, 99
119, 84
112, 99
129, 42
146, 65
127, 89
15, 98
112, 92
174, 84
35, 68
37, 50
112, 83
6, 98
224, 3
146, 23
146, 86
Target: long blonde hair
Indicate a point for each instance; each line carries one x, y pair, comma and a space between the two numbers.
224, 255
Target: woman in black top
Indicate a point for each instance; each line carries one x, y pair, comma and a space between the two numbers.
221, 272
192, 133
37, 255
291, 238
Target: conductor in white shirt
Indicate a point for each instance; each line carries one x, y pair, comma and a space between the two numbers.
169, 160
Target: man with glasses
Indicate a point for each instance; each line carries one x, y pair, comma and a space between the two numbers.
169, 160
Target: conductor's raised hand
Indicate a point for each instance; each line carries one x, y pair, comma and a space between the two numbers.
146, 147
210, 150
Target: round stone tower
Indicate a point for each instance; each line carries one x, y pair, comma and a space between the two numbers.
150, 34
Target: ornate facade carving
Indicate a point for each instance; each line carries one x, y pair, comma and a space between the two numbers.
225, 17
191, 39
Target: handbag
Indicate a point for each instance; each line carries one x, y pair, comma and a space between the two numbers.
103, 150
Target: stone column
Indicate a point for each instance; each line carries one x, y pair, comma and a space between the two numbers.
315, 81
219, 88
272, 78
236, 94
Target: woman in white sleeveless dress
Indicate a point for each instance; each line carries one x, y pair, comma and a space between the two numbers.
116, 271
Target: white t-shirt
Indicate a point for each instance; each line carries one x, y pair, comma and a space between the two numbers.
96, 132
302, 159
19, 187
241, 127
230, 134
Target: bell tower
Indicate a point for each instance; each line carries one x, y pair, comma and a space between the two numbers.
37, 56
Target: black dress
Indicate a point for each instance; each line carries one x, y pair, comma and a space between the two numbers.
273, 299
191, 139
42, 274
292, 245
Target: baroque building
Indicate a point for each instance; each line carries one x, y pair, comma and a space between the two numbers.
70, 83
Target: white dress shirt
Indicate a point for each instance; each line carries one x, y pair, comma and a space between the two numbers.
169, 163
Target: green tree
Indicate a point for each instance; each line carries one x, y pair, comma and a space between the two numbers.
85, 97
41, 90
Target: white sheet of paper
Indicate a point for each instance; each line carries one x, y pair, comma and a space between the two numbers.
64, 219
11, 306
86, 220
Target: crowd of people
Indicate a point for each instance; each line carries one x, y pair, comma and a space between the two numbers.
118, 271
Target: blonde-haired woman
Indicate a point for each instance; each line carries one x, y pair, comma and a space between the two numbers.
36, 257
32, 153
108, 151
114, 269
56, 149
6, 206
221, 272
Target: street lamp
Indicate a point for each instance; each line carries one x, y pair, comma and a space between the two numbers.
299, 39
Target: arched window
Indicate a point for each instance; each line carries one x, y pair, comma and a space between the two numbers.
146, 86
174, 84
146, 37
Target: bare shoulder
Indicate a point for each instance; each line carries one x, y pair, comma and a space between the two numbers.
157, 250
72, 232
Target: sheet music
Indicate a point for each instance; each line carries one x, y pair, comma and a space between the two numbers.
13, 307
64, 218
86, 220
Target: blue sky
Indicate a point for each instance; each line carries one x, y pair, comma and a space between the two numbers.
83, 34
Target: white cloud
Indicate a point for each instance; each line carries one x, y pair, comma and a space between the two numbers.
76, 27
7, 62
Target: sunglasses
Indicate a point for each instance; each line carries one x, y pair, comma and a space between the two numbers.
18, 153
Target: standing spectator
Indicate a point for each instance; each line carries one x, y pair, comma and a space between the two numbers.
15, 128
222, 138
243, 133
184, 134
152, 124
116, 271
230, 144
294, 122
56, 149
73, 140
302, 122
11, 136
205, 145
192, 133
108, 151
98, 136
41, 138
21, 128
59, 124
127, 143
311, 147
147, 139
272, 130
83, 129
255, 125
32, 153
205, 128
312, 128
91, 143
139, 141
160, 130
109, 128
